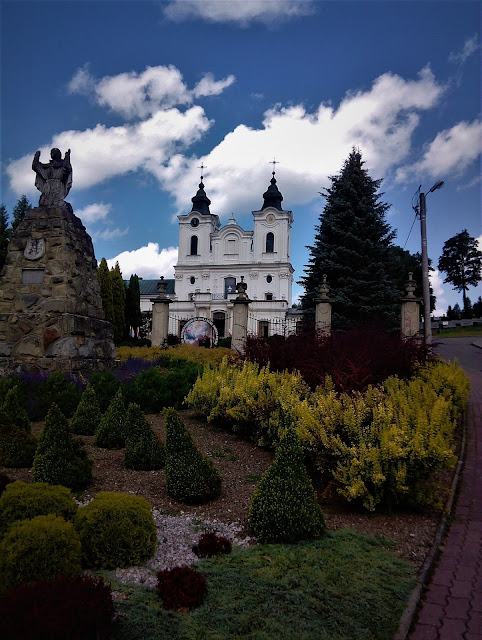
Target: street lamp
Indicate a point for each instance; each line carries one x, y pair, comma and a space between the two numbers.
427, 322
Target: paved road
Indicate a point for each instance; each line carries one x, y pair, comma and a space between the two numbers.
452, 605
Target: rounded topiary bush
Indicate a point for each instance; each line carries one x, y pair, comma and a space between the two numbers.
116, 530
190, 478
43, 547
60, 458
17, 447
112, 431
78, 608
22, 501
143, 451
87, 416
181, 588
16, 413
284, 506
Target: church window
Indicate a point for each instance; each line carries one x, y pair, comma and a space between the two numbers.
263, 328
269, 278
194, 243
219, 321
268, 296
270, 242
231, 244
192, 279
229, 286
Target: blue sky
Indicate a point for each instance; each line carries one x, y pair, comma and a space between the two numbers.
143, 92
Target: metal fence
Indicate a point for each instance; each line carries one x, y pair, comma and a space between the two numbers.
265, 327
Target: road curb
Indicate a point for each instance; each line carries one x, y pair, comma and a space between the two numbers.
410, 610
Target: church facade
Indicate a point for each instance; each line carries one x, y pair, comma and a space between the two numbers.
213, 259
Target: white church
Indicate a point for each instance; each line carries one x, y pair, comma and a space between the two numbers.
213, 259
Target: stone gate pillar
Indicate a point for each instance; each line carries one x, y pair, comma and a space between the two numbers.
240, 317
323, 309
160, 315
410, 310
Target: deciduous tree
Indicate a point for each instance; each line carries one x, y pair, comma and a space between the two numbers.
462, 262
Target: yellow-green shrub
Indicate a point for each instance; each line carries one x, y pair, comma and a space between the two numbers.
41, 548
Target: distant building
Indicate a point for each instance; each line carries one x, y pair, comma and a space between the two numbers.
212, 259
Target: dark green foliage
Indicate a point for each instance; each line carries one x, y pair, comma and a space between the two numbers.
4, 482
352, 247
133, 316
144, 452
284, 506
20, 210
105, 284
86, 419
59, 389
17, 448
60, 458
105, 385
119, 303
116, 530
402, 263
477, 308
190, 478
112, 431
78, 608
345, 586
461, 260
22, 501
15, 412
43, 547
5, 233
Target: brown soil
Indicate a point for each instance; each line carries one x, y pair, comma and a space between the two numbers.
241, 464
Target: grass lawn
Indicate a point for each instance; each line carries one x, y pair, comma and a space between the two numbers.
458, 332
346, 586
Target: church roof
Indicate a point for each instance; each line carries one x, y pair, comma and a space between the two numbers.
201, 202
272, 197
149, 287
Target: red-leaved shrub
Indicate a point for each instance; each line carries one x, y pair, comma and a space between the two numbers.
212, 545
4, 480
181, 588
78, 608
353, 359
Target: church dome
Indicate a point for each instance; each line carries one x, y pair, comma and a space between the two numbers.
272, 197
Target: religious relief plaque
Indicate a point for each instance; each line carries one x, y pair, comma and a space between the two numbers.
32, 276
35, 248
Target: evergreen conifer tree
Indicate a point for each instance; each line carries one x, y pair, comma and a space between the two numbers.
352, 246
20, 210
5, 233
112, 431
119, 302
60, 458
190, 478
105, 284
15, 412
87, 416
143, 451
133, 316
477, 308
284, 508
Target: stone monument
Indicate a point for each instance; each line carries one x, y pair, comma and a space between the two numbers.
410, 310
323, 308
240, 317
51, 315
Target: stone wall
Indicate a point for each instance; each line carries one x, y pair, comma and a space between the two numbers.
51, 315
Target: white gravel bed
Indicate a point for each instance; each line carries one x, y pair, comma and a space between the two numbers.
176, 536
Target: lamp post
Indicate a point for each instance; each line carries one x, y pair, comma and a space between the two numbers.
427, 322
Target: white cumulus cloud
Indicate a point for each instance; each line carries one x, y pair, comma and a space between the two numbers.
94, 212
241, 12
451, 151
436, 280
147, 262
138, 95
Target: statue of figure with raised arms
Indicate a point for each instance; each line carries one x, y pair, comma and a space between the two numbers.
53, 179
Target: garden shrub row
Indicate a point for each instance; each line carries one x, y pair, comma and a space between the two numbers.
377, 445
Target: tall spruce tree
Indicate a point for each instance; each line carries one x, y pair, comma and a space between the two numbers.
20, 210
461, 260
401, 264
119, 302
352, 246
4, 235
133, 314
106, 290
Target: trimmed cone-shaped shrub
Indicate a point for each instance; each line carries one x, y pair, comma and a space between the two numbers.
143, 452
17, 414
60, 458
116, 530
17, 448
78, 608
284, 506
24, 501
43, 547
190, 478
87, 416
112, 431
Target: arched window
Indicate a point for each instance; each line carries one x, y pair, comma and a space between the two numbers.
194, 241
269, 242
